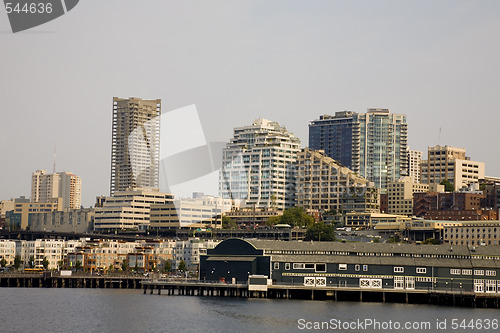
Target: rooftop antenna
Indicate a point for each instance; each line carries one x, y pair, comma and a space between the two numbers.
54, 167
439, 136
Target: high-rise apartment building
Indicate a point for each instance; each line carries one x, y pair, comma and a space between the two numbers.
334, 135
414, 163
65, 185
450, 163
380, 147
135, 149
259, 165
373, 144
44, 186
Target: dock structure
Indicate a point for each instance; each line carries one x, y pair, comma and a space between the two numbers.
188, 287
49, 280
355, 294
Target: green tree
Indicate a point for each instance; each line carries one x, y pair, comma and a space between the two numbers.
394, 239
228, 223
297, 217
432, 241
320, 232
78, 265
17, 261
31, 263
182, 266
167, 266
273, 220
331, 212
3, 262
45, 263
448, 186
125, 264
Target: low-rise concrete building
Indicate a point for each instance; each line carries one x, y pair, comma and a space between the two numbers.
67, 220
473, 233
400, 195
128, 210
251, 218
426, 203
198, 212
463, 215
21, 216
370, 220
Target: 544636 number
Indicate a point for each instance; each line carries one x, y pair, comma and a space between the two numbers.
31, 8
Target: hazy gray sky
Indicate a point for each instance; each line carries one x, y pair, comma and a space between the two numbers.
289, 61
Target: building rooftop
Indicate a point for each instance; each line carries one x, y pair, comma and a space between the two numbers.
444, 250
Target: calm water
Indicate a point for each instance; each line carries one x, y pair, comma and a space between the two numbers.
108, 310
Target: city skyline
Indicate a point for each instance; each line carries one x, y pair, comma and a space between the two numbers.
289, 62
217, 185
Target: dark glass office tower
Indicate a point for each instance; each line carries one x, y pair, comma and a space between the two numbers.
333, 134
373, 144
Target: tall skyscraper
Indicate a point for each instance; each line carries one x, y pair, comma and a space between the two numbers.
373, 144
334, 135
135, 149
258, 165
380, 147
47, 187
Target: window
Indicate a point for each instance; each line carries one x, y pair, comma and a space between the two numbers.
491, 273
421, 270
399, 269
466, 271
478, 272
478, 286
287, 266
454, 271
365, 268
298, 266
342, 267
491, 286
356, 267
399, 282
320, 267
276, 265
